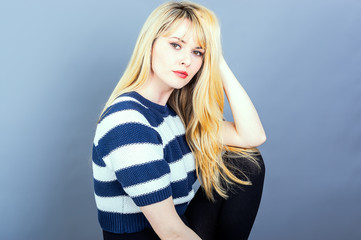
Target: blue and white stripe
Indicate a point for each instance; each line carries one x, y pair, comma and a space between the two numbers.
140, 156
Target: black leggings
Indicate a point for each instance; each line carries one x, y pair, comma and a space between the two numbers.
230, 218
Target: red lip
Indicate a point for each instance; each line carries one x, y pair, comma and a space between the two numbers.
181, 74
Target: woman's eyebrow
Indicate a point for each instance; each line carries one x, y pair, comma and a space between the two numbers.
181, 40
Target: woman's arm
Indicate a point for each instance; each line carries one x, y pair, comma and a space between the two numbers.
247, 130
166, 222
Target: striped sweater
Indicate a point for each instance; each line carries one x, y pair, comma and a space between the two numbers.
140, 157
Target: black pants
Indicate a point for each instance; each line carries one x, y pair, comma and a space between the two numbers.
224, 219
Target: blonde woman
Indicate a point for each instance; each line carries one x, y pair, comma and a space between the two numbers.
163, 127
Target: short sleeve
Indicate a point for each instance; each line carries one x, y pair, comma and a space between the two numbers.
134, 151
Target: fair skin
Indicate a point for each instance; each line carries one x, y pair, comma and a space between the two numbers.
176, 52
172, 56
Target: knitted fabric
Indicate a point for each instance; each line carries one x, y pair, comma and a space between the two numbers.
140, 157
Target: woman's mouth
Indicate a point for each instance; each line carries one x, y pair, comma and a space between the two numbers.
181, 74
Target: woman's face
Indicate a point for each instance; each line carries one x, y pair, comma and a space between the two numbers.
176, 58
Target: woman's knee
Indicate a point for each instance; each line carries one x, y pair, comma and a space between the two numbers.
246, 168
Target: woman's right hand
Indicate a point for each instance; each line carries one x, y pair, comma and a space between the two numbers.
166, 222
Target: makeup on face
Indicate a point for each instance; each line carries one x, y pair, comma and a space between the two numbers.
198, 51
176, 58
181, 74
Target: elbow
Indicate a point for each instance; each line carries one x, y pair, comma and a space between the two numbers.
263, 139
256, 142
249, 140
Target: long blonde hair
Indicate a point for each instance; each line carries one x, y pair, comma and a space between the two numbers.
200, 103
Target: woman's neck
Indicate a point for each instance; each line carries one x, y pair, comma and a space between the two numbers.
155, 93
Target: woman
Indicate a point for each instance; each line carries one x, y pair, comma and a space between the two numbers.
163, 127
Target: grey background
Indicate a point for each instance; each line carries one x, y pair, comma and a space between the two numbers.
300, 62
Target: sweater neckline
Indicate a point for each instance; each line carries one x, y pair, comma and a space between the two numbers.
152, 105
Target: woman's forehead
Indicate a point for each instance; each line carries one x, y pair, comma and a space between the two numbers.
185, 31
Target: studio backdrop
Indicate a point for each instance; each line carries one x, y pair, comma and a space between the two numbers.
300, 62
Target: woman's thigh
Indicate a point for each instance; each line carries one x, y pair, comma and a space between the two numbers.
202, 215
232, 218
147, 234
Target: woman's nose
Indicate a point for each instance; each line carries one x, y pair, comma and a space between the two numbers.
186, 59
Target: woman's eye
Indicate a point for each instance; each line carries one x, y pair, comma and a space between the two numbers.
198, 53
175, 45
